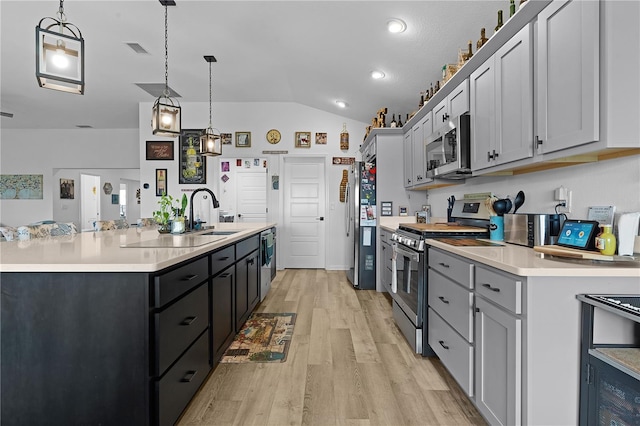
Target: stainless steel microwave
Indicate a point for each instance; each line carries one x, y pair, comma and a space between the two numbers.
447, 150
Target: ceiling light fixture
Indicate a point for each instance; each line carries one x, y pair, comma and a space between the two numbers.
210, 141
60, 54
377, 75
342, 104
166, 117
396, 26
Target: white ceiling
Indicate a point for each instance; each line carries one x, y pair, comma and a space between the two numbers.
308, 52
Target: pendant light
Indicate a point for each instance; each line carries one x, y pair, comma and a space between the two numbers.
166, 119
60, 54
210, 141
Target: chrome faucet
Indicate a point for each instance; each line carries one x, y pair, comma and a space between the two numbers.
214, 200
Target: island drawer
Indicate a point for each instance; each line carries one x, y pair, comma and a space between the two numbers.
180, 383
221, 259
178, 326
504, 290
246, 246
452, 267
453, 303
172, 284
455, 353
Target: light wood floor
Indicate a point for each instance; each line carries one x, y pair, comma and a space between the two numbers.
348, 364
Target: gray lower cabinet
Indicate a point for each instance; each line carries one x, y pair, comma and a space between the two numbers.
384, 262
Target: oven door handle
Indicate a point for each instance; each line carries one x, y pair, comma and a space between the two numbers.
394, 269
412, 255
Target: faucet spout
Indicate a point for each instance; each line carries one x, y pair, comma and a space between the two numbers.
214, 200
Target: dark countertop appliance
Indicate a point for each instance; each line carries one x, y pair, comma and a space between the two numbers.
409, 287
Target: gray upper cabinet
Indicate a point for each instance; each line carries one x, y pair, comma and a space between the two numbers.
407, 168
568, 57
502, 105
418, 159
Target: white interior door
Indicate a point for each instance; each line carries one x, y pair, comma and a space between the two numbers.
303, 236
89, 201
252, 195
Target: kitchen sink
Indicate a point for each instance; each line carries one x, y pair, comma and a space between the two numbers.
219, 232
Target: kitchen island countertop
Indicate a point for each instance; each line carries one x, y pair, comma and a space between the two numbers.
102, 251
524, 261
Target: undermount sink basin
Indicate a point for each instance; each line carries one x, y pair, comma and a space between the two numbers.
219, 232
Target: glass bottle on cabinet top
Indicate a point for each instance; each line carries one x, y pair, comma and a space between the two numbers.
512, 8
499, 20
393, 122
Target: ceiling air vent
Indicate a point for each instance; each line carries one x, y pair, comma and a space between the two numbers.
6, 114
137, 48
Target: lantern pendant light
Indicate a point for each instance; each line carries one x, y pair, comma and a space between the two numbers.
166, 117
210, 141
60, 54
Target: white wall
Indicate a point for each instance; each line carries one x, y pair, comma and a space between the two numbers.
611, 182
30, 151
258, 118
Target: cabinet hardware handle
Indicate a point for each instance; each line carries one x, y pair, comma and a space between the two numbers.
223, 258
188, 320
444, 265
443, 300
443, 345
250, 261
495, 154
491, 288
190, 277
445, 117
477, 310
489, 156
189, 376
225, 275
538, 141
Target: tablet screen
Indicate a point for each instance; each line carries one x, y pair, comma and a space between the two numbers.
577, 234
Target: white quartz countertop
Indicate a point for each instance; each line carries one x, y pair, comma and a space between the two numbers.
524, 261
102, 251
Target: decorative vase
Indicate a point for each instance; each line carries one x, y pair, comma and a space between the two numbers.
164, 228
177, 226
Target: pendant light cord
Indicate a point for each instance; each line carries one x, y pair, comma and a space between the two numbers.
209, 94
166, 52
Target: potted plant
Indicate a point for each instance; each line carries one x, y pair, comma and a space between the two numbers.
178, 224
163, 215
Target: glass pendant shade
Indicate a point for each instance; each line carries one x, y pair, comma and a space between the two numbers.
166, 118
211, 142
60, 57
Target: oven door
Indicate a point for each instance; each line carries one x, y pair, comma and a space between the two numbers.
407, 283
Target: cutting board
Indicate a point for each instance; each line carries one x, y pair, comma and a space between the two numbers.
442, 227
572, 253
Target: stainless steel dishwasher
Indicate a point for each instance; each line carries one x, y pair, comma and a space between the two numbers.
267, 258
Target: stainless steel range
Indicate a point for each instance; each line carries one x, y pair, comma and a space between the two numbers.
409, 286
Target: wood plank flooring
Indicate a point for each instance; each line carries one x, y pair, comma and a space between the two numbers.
348, 364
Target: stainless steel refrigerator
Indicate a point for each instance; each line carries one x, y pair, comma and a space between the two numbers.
361, 224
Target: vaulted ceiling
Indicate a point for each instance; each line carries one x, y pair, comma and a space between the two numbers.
309, 52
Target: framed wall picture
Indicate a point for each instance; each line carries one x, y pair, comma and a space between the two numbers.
115, 198
243, 139
159, 150
66, 189
192, 165
303, 139
386, 208
161, 182
226, 138
321, 138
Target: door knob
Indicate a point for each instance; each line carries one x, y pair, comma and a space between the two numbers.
321, 218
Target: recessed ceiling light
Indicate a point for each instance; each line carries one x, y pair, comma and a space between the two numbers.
377, 75
396, 26
342, 104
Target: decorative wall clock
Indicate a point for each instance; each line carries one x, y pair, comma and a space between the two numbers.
273, 136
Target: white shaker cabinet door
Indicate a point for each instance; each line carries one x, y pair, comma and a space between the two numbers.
407, 148
568, 52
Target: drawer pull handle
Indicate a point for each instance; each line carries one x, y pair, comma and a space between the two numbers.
223, 258
443, 345
190, 277
225, 275
491, 288
188, 320
444, 265
250, 261
189, 376
443, 300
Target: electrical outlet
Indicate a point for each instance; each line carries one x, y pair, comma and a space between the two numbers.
567, 202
